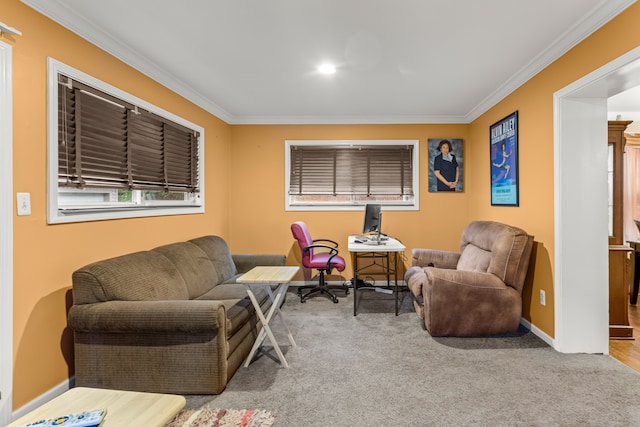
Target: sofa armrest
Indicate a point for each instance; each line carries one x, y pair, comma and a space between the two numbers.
434, 258
245, 262
130, 317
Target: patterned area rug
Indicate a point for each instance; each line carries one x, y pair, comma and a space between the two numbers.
222, 418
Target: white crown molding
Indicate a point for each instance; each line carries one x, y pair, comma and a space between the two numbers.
600, 15
347, 120
68, 18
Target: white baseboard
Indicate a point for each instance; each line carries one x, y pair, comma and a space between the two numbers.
43, 398
538, 332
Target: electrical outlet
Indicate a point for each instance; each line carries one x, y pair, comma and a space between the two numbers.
543, 298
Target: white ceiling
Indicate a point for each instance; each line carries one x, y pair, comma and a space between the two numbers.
398, 61
625, 105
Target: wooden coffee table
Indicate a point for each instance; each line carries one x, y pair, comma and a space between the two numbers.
124, 408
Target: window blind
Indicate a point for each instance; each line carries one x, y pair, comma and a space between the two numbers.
106, 142
356, 170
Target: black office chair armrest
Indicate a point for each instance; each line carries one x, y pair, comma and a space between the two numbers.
334, 243
332, 252
331, 249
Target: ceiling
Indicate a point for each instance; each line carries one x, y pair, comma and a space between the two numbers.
398, 61
625, 105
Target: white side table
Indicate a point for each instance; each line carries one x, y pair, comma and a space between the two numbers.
268, 276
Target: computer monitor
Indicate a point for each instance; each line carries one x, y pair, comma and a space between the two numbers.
372, 219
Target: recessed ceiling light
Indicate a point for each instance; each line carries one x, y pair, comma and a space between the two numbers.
327, 69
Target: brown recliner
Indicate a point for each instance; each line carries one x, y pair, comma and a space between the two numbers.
476, 292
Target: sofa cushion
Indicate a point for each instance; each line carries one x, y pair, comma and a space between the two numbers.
236, 302
140, 276
218, 252
194, 266
474, 258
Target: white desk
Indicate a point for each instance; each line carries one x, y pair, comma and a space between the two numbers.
267, 277
362, 251
124, 408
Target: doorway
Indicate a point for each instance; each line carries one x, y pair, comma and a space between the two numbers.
6, 236
581, 223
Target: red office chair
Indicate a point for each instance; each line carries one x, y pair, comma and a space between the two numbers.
321, 256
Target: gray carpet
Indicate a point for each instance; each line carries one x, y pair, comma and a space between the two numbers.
377, 369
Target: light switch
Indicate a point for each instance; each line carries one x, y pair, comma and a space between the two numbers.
24, 204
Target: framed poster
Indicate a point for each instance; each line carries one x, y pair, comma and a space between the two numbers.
504, 161
446, 162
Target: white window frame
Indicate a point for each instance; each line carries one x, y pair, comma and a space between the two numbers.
387, 206
56, 213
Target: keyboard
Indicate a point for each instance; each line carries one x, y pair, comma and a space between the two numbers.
360, 238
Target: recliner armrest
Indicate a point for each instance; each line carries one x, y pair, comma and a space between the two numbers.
434, 258
133, 317
463, 279
245, 262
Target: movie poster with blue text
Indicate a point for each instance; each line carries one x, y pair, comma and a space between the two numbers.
504, 161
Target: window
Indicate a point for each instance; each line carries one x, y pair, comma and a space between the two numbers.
112, 155
348, 174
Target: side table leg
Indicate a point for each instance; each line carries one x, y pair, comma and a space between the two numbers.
265, 328
280, 293
261, 334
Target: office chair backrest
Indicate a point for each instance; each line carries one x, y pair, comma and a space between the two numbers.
302, 236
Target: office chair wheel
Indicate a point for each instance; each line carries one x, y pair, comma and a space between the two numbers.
334, 299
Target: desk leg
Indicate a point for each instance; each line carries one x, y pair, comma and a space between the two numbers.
355, 282
395, 269
266, 329
388, 269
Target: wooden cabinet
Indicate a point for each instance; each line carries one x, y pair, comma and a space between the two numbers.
616, 142
619, 253
619, 273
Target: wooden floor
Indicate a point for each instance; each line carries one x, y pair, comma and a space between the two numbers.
628, 351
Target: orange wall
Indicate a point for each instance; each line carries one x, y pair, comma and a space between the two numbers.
245, 185
442, 216
534, 101
260, 223
46, 255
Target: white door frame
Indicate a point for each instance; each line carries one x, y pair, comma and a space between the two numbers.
581, 261
6, 234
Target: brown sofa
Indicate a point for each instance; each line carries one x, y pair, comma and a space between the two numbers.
478, 291
168, 320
